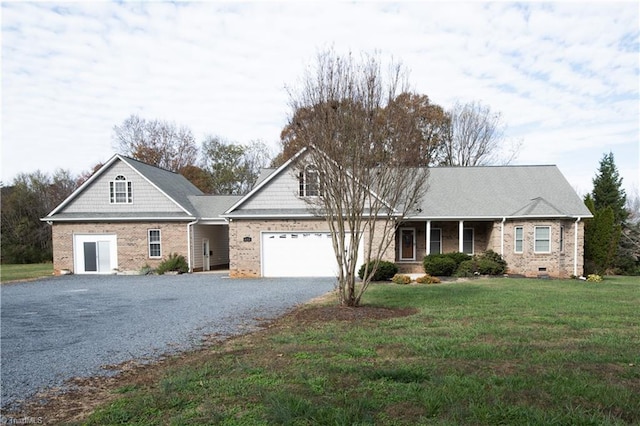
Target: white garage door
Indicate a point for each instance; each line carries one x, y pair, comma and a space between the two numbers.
298, 254
95, 254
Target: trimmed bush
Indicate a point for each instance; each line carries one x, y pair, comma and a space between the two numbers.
458, 257
439, 264
468, 268
385, 271
428, 279
487, 263
492, 256
175, 263
401, 279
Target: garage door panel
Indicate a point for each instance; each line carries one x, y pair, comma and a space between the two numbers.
298, 254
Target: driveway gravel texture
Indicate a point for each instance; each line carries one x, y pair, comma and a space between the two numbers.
59, 328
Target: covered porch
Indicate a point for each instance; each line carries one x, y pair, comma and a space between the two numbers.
419, 238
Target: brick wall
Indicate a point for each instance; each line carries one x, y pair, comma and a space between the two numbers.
558, 263
132, 242
244, 256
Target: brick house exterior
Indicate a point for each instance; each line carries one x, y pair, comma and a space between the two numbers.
129, 215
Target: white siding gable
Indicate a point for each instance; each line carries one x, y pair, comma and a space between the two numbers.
146, 198
281, 192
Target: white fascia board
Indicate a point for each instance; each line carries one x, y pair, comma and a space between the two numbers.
268, 179
212, 221
484, 218
118, 219
272, 216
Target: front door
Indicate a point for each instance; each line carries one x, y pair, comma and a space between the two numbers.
407, 244
206, 264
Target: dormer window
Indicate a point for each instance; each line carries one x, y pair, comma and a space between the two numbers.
309, 180
120, 191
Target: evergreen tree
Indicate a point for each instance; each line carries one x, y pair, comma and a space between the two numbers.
601, 237
607, 189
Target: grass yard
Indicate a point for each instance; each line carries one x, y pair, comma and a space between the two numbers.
483, 352
25, 272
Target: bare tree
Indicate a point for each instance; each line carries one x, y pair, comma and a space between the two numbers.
477, 137
364, 186
156, 142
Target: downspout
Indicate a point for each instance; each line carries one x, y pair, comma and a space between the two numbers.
575, 248
504, 219
189, 225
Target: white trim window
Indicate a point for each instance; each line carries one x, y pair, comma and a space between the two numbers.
309, 181
155, 244
120, 191
542, 239
467, 241
518, 243
435, 243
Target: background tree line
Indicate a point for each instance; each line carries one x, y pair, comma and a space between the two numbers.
376, 126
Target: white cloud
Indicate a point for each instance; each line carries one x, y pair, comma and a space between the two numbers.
564, 75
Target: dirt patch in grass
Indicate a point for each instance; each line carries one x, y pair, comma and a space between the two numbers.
82, 396
344, 313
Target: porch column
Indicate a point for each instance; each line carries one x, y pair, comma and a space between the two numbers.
461, 236
428, 237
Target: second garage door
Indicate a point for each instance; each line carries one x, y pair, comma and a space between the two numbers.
298, 254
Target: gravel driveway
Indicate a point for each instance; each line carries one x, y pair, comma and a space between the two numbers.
73, 326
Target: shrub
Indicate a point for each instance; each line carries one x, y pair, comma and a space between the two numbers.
492, 256
175, 263
487, 263
385, 271
594, 278
468, 268
401, 279
439, 264
428, 279
489, 267
458, 257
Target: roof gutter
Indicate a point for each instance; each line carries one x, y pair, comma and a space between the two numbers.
504, 219
575, 248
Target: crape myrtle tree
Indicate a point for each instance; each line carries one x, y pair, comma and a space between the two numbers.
368, 177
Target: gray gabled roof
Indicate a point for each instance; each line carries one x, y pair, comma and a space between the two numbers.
211, 207
174, 185
499, 191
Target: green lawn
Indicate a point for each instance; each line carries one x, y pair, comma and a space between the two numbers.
25, 272
484, 352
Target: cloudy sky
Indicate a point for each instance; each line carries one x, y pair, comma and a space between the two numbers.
565, 75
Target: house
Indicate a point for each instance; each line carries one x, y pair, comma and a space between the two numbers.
138, 214
129, 215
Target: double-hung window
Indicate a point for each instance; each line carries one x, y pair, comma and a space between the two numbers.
309, 181
542, 239
435, 243
120, 191
155, 246
518, 239
467, 240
